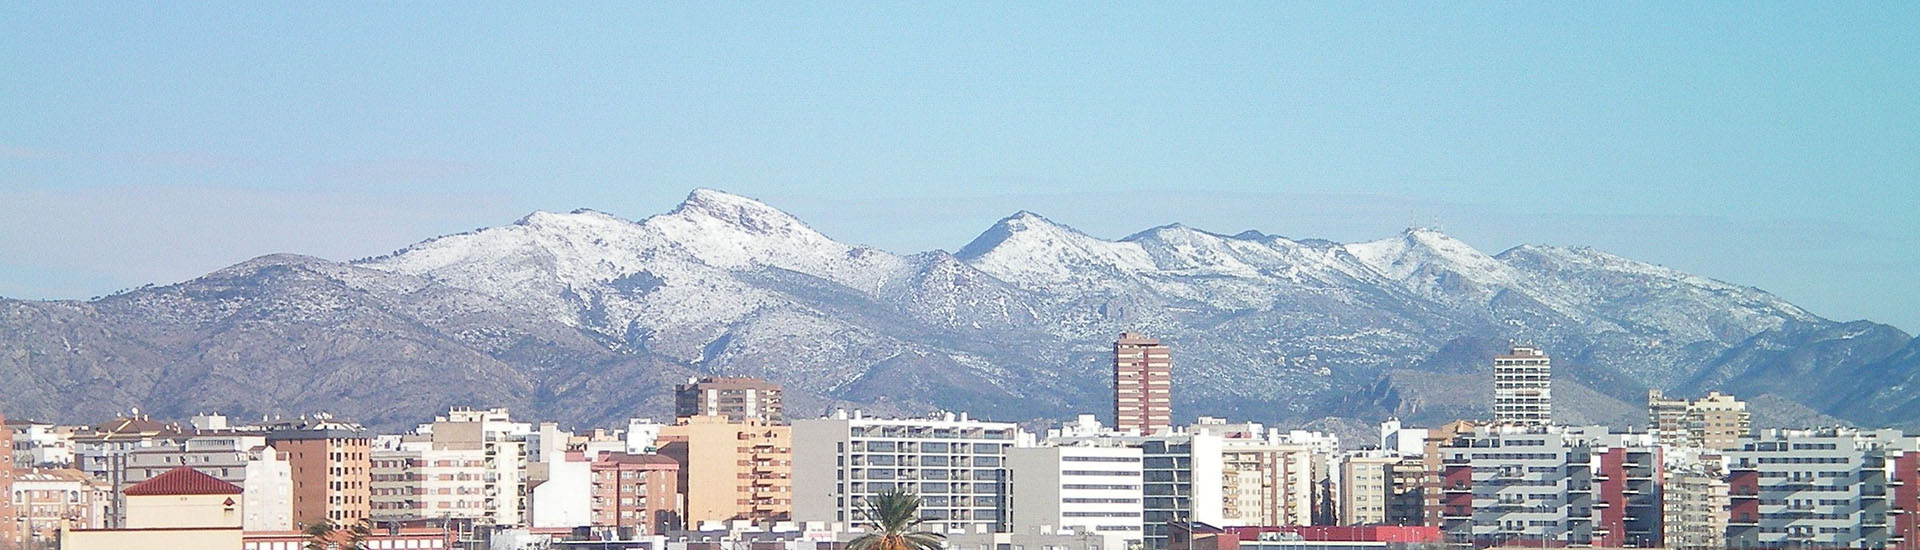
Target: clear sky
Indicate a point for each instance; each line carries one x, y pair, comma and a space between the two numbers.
1769, 144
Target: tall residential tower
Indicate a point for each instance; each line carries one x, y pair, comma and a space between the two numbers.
1521, 388
1142, 401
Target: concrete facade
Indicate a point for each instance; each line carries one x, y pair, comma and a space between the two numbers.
957, 466
737, 398
1096, 489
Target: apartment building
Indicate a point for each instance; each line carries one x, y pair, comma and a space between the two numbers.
1826, 488
10, 533
1551, 485
1523, 387
1143, 384
332, 467
732, 469
1715, 421
636, 493
1694, 500
414, 481
734, 397
957, 466
502, 444
1265, 483
45, 499
40, 444
1090, 487
1181, 469
1366, 484
1414, 493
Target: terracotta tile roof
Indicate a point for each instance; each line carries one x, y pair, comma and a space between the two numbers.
183, 481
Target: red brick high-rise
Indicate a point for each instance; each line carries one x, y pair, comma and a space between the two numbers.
1142, 398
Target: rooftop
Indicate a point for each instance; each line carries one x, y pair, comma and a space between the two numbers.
183, 481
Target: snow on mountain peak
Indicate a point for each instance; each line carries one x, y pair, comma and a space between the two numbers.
742, 212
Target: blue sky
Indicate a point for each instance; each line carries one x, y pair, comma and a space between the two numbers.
1770, 144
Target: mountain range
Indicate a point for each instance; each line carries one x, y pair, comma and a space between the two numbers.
589, 318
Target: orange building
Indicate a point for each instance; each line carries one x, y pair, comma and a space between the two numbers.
732, 470
332, 469
636, 490
1142, 384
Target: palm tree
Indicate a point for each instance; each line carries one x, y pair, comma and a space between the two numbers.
896, 516
358, 534
320, 535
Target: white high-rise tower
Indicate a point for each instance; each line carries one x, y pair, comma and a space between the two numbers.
1521, 387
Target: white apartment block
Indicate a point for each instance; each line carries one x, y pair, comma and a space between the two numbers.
957, 466
1827, 488
1523, 387
41, 445
1096, 489
1551, 485
1181, 470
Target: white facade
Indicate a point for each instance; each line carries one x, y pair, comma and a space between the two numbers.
1523, 387
1814, 488
1095, 489
267, 491
42, 446
566, 497
956, 465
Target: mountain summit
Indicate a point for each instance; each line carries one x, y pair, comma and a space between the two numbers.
590, 318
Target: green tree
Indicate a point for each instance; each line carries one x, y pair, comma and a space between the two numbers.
896, 517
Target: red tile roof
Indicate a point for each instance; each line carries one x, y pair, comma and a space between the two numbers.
183, 481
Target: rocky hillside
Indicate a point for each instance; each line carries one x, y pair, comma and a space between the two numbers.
590, 318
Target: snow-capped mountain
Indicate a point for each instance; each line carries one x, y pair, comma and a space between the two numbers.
589, 317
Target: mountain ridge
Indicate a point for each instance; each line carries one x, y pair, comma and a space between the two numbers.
585, 316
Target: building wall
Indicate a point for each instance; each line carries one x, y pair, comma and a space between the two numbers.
736, 398
1267, 484
332, 478
10, 534
566, 497
143, 539
1814, 488
1523, 388
643, 496
1097, 489
955, 464
268, 495
183, 511
732, 470
1365, 483
1143, 384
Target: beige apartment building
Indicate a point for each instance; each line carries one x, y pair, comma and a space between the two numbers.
1143, 398
1267, 484
732, 470
420, 482
1716, 421
1366, 488
46, 499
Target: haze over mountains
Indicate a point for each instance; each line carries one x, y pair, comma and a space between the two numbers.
590, 318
